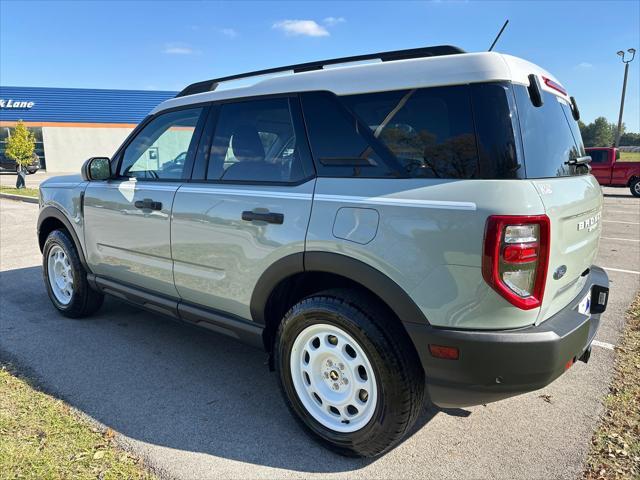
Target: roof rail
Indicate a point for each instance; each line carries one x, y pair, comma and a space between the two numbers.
211, 85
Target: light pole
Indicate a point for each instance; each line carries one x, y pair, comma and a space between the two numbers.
622, 54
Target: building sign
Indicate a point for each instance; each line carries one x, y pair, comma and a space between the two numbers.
16, 104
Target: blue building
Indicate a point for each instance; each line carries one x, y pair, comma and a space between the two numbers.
73, 124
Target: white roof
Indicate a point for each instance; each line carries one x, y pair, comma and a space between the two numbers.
381, 76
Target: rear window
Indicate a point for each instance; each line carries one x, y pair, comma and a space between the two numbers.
550, 136
598, 156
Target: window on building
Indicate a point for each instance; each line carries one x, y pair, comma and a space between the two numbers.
8, 164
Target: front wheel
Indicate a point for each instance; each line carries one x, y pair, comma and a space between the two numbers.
635, 187
66, 279
349, 373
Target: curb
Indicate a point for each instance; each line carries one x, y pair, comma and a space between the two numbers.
21, 198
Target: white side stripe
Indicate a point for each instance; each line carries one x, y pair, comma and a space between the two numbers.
397, 202
247, 193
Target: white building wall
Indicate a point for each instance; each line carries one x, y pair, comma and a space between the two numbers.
66, 148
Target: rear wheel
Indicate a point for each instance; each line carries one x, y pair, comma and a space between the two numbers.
348, 372
66, 279
635, 187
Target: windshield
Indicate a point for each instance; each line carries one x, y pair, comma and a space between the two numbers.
550, 136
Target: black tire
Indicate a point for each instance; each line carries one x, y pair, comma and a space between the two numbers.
84, 300
399, 376
634, 186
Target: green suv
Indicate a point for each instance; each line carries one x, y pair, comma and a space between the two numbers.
421, 223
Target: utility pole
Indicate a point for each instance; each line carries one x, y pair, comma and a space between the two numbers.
622, 55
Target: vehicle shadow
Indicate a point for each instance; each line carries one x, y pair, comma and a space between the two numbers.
160, 382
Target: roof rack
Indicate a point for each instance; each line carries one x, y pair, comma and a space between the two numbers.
436, 51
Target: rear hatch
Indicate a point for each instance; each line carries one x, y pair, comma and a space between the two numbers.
571, 196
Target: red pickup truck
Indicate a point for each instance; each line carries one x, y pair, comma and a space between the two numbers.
609, 171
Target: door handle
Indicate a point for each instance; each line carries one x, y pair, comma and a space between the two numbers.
249, 216
148, 204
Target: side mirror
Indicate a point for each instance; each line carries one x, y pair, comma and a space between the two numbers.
96, 168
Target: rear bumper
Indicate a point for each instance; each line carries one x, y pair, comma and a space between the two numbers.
494, 365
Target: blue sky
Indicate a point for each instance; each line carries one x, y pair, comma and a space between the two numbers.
167, 45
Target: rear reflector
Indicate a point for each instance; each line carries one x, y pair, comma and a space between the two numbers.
569, 363
441, 351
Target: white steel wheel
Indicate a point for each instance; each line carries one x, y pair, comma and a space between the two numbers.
60, 275
333, 378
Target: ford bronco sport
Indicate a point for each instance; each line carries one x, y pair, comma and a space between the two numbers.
422, 223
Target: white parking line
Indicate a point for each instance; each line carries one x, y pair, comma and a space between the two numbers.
608, 346
621, 239
621, 270
617, 221
618, 211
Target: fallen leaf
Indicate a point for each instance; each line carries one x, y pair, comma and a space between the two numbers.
546, 397
98, 455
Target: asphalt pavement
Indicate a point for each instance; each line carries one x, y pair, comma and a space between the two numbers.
195, 405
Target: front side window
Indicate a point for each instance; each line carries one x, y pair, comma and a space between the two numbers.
160, 150
256, 141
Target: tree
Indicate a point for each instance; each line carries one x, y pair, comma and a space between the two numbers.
630, 139
21, 146
599, 133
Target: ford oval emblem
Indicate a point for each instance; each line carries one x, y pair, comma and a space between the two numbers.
560, 271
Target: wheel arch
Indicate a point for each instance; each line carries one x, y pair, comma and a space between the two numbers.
298, 275
52, 218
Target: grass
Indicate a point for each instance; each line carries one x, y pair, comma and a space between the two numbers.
27, 192
42, 437
615, 446
630, 156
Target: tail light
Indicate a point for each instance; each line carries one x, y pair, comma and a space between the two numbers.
551, 84
516, 257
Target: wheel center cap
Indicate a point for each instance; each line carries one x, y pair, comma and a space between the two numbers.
333, 374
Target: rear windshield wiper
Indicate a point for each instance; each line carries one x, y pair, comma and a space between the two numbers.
579, 161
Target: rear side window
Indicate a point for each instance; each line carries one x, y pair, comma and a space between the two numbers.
340, 142
429, 131
550, 136
453, 132
256, 141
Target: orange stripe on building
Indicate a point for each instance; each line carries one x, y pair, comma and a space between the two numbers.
70, 124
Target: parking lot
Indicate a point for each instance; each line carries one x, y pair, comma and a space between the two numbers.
194, 404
